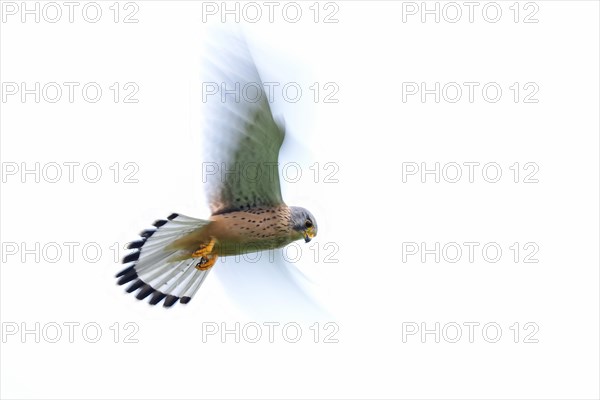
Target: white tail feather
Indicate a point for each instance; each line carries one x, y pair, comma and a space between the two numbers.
158, 271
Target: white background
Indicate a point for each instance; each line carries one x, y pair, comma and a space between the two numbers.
369, 213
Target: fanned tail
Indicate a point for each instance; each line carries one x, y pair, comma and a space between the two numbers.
159, 270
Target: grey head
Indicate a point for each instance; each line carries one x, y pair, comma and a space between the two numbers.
304, 223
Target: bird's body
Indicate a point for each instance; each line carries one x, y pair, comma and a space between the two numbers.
172, 260
240, 232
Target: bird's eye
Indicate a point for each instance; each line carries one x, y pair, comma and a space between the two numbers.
308, 224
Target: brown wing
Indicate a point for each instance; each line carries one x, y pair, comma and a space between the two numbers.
242, 139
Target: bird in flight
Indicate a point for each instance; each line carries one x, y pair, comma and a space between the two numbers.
172, 260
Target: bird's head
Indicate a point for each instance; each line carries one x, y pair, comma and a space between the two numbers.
304, 224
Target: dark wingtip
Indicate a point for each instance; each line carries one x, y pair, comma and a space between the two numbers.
159, 222
185, 300
124, 272
157, 297
172, 216
147, 233
137, 244
135, 286
131, 257
170, 300
145, 292
127, 278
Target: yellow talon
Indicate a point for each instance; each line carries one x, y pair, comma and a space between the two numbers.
204, 250
206, 262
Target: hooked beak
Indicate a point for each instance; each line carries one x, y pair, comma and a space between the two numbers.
309, 234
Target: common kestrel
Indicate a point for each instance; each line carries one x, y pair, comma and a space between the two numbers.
171, 260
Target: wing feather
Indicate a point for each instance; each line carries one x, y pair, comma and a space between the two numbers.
242, 139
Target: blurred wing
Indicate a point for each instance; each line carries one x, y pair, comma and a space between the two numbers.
242, 140
268, 290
